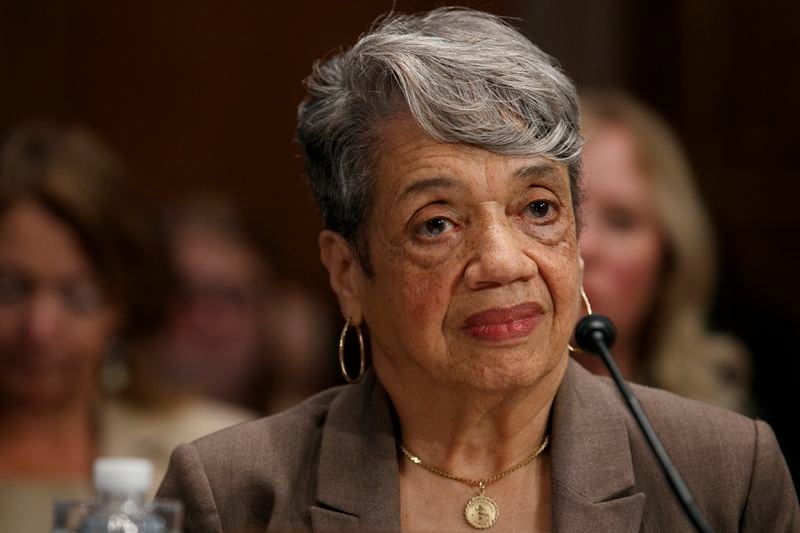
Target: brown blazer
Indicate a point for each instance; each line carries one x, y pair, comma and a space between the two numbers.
331, 464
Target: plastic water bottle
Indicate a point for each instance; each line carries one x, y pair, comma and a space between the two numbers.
121, 485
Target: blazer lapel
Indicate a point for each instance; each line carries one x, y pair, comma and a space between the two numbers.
592, 473
593, 486
358, 481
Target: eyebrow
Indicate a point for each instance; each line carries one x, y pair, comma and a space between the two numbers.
438, 182
543, 171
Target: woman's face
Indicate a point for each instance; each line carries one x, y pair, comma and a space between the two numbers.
54, 325
621, 244
475, 264
214, 337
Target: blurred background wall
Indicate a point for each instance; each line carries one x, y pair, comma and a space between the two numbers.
202, 95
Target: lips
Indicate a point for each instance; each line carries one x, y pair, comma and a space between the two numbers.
504, 323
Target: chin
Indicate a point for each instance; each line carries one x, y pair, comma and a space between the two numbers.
40, 391
507, 369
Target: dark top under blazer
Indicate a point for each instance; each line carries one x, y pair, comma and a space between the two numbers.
331, 463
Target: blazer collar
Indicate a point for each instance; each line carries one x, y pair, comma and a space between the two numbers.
593, 485
358, 482
592, 471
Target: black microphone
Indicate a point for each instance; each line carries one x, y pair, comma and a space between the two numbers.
596, 334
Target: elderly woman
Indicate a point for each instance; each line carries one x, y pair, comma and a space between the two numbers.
443, 150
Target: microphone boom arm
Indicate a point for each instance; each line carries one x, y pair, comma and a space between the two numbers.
594, 333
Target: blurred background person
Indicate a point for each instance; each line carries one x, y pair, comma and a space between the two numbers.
215, 340
305, 358
236, 330
650, 256
82, 279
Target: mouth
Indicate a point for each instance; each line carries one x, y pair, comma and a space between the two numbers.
503, 323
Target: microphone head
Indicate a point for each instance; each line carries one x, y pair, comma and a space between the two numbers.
593, 328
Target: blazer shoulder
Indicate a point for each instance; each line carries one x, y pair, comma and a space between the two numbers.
673, 412
714, 447
668, 407
709, 445
706, 432
283, 432
238, 478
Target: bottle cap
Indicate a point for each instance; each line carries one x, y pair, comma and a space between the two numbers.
122, 474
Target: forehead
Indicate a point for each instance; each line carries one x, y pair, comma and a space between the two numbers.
611, 166
206, 255
35, 240
407, 155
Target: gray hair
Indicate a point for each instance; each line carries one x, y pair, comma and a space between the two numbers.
465, 76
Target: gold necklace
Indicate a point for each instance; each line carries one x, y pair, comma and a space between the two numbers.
481, 511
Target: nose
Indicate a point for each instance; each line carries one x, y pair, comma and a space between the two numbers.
500, 255
44, 318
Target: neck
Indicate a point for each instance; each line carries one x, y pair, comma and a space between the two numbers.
472, 433
47, 442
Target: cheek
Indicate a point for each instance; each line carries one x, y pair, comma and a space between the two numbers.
637, 263
419, 295
90, 345
86, 344
562, 274
10, 323
625, 283
409, 298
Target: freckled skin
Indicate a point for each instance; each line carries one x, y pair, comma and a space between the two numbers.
492, 252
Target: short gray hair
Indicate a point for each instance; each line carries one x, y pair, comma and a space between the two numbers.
465, 76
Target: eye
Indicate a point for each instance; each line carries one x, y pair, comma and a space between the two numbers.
14, 289
541, 209
621, 219
434, 227
82, 298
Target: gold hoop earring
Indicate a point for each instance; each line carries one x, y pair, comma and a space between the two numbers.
588, 312
363, 356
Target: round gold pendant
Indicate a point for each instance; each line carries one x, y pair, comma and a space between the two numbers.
481, 512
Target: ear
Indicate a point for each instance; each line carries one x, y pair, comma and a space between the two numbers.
344, 272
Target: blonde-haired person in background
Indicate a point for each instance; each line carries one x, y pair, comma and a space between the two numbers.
650, 256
